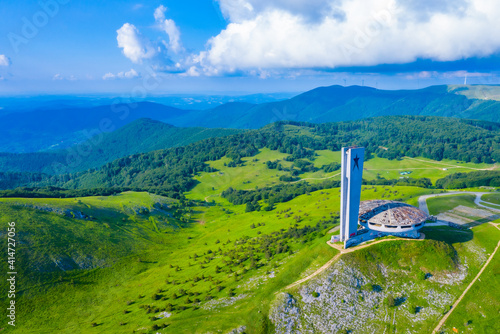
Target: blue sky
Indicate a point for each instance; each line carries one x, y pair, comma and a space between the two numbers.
244, 46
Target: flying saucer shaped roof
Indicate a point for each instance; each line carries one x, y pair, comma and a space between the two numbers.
390, 213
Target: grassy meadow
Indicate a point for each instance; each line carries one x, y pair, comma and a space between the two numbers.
142, 263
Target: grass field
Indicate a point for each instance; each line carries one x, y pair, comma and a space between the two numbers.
255, 173
118, 264
491, 198
101, 295
478, 311
133, 252
419, 168
442, 204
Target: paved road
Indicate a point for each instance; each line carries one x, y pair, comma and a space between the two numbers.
422, 200
443, 320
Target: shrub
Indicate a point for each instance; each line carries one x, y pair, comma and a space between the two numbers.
391, 302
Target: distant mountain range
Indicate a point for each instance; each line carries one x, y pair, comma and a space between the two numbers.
337, 103
140, 136
60, 128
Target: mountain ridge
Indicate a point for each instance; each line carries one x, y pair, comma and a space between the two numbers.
48, 130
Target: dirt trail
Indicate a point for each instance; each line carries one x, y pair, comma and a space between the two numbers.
447, 165
343, 251
443, 320
316, 178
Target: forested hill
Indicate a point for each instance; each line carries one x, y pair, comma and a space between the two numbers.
170, 172
141, 136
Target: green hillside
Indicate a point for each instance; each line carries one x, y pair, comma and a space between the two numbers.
88, 257
138, 262
397, 286
216, 230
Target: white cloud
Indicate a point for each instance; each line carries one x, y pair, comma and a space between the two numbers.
59, 76
277, 34
108, 76
191, 72
4, 60
135, 47
170, 28
121, 75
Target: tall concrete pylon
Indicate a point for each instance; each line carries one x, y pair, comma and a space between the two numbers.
350, 190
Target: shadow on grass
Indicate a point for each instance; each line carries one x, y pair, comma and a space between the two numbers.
481, 221
447, 234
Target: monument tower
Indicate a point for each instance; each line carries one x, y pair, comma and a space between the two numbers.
350, 190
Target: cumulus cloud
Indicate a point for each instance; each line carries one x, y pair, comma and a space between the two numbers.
59, 76
191, 72
121, 75
277, 34
170, 28
4, 60
135, 47
108, 76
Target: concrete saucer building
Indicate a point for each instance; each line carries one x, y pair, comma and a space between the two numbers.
391, 216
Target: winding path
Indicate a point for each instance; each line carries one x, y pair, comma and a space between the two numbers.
316, 178
443, 320
422, 203
447, 165
344, 251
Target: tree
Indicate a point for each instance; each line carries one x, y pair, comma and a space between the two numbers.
249, 207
